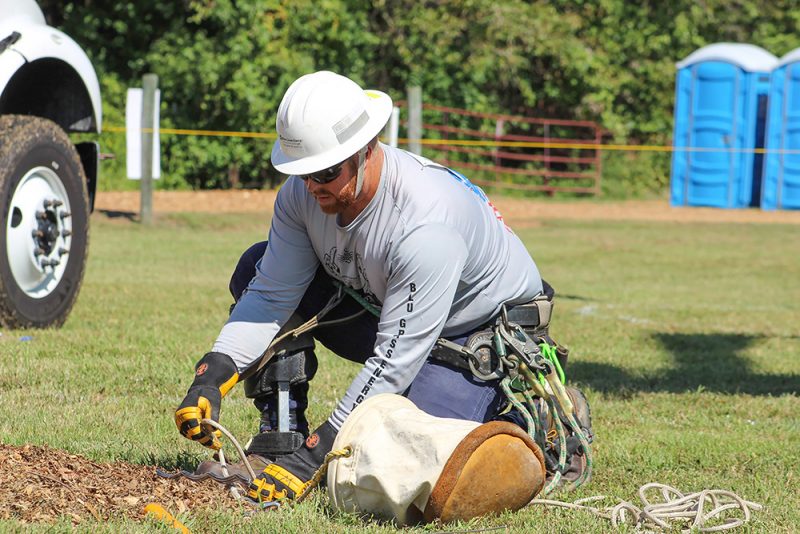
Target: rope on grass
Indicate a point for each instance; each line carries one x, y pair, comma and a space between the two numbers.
242, 456
677, 509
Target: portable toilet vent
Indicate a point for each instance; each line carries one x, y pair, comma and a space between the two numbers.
720, 116
781, 189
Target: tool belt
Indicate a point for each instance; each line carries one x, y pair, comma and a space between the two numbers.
478, 354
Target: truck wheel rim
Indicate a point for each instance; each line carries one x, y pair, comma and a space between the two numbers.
38, 232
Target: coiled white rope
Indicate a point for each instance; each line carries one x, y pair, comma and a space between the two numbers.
688, 510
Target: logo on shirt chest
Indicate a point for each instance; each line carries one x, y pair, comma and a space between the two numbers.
348, 267
346, 256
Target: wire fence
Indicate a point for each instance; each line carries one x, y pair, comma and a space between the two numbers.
550, 155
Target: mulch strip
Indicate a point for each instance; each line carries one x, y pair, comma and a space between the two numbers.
39, 484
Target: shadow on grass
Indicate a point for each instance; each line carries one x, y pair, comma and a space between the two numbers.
710, 362
111, 214
575, 297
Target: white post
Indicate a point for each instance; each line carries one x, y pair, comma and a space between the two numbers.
394, 126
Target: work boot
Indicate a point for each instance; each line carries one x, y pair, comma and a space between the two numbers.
576, 456
576, 459
215, 470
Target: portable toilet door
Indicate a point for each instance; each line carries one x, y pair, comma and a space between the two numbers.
781, 189
720, 110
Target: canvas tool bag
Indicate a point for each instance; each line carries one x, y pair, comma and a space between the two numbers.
410, 467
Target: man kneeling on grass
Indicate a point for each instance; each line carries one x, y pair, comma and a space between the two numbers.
391, 252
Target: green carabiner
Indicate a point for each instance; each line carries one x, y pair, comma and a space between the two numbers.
550, 354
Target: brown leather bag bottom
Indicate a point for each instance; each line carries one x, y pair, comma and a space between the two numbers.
496, 467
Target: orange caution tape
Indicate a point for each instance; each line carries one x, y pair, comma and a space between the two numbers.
159, 513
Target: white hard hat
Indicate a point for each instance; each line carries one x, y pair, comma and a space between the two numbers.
324, 118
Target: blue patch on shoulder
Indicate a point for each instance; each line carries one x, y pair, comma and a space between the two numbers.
472, 187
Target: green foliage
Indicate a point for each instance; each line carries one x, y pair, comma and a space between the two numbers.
224, 65
635, 174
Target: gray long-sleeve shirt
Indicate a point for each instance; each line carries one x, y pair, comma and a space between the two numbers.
429, 248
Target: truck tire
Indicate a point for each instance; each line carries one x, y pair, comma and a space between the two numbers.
44, 223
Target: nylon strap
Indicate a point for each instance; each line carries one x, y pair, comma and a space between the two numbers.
545, 308
362, 157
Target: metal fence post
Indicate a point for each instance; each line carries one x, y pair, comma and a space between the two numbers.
546, 176
149, 86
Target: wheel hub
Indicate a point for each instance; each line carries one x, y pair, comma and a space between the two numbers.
38, 232
47, 233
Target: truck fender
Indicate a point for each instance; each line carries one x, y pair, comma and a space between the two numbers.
10, 62
43, 42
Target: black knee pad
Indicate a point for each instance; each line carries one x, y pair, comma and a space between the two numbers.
295, 363
292, 361
295, 368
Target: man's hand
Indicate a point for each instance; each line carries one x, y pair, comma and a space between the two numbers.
215, 374
289, 477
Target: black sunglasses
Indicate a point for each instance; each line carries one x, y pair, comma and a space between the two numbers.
326, 175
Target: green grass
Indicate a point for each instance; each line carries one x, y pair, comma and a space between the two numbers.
685, 337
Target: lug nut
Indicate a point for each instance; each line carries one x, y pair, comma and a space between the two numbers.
56, 203
66, 233
41, 215
65, 214
62, 251
37, 233
38, 252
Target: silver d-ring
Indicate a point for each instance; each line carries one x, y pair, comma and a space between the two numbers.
504, 314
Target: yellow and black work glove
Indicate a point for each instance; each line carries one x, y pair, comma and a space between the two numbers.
215, 374
289, 476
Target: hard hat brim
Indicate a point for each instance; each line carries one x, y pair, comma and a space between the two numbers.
379, 109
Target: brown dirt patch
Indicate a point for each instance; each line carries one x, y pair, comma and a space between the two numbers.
516, 211
39, 484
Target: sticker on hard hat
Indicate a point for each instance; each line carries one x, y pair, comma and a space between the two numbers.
291, 144
349, 125
372, 94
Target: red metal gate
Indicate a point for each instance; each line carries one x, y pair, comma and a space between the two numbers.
514, 152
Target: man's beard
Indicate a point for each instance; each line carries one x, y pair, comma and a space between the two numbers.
342, 201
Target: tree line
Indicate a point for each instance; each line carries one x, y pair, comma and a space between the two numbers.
225, 64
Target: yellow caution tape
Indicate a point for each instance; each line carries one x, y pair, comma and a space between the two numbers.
481, 142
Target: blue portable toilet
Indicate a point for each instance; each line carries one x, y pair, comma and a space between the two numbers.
781, 189
721, 98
